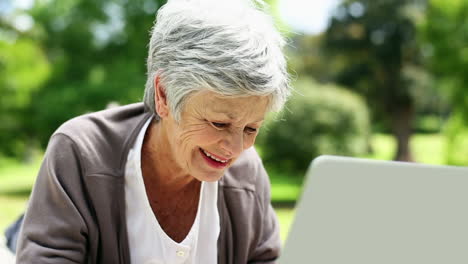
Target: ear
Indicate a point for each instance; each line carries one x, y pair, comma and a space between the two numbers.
160, 98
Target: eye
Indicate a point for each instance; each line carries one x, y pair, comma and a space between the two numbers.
219, 125
250, 130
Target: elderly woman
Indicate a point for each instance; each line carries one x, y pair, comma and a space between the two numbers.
176, 179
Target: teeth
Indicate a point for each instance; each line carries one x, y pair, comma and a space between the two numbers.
208, 154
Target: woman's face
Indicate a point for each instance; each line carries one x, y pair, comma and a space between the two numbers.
213, 131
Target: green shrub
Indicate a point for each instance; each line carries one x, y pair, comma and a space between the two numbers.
318, 119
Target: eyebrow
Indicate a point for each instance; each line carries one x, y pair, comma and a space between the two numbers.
231, 117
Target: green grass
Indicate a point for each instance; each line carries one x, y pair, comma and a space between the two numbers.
429, 149
426, 148
285, 217
16, 179
15, 176
12, 207
383, 147
285, 188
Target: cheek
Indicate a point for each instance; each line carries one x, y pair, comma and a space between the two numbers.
188, 139
209, 137
249, 140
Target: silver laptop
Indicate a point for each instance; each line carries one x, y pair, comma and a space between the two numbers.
358, 211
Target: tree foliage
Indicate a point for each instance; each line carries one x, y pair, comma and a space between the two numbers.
376, 42
445, 32
23, 69
78, 56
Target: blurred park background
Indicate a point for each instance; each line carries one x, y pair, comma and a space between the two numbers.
381, 79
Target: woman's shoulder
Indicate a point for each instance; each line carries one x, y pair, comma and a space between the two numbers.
100, 124
102, 138
246, 173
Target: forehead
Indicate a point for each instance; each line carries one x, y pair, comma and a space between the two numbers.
234, 108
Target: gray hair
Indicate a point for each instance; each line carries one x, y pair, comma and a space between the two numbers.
230, 47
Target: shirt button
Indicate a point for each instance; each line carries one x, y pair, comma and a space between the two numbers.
180, 253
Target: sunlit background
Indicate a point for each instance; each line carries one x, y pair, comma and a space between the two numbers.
380, 79
306, 17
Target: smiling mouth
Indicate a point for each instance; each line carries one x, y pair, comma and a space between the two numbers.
215, 161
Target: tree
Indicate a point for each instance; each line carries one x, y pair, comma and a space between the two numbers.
23, 69
376, 43
95, 52
446, 49
445, 31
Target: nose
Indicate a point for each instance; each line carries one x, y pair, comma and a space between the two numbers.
233, 143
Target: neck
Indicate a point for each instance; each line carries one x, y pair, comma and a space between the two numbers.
158, 161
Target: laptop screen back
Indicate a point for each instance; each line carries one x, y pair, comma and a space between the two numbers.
356, 211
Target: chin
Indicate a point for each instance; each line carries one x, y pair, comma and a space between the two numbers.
210, 177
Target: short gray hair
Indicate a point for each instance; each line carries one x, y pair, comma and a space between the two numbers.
230, 47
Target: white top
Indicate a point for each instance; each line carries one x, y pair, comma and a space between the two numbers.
6, 257
147, 240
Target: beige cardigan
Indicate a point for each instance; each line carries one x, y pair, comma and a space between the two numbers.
76, 212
